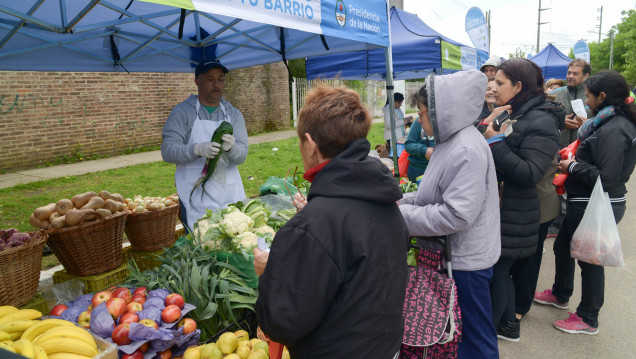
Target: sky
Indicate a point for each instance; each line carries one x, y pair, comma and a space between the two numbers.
514, 22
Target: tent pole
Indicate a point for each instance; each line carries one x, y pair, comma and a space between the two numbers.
388, 54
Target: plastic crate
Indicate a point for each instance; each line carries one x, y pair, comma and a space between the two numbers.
96, 282
144, 260
38, 303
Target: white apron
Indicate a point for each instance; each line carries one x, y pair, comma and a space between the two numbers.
188, 174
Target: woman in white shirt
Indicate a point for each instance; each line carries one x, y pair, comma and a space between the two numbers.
400, 131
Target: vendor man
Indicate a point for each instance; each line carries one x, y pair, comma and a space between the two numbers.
187, 142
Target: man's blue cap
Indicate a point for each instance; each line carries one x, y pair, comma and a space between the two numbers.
207, 66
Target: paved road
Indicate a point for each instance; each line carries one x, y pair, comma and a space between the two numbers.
539, 339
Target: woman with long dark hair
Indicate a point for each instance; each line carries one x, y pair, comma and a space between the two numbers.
522, 149
607, 149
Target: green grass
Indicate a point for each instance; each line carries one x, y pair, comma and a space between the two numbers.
151, 179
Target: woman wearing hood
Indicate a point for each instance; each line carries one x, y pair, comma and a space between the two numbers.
523, 150
458, 197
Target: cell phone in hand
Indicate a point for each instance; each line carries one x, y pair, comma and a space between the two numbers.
499, 120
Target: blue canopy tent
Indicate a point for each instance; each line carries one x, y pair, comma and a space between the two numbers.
159, 36
553, 62
175, 35
417, 50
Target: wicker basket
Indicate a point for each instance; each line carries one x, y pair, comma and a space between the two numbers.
20, 268
92, 247
151, 230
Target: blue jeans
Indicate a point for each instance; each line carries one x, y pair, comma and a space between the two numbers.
592, 276
479, 338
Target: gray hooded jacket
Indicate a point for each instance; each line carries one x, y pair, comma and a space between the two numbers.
458, 194
176, 148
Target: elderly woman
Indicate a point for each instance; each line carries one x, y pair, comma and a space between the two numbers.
457, 197
334, 282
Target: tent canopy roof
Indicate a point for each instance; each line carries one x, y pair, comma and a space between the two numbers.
553, 62
120, 35
416, 49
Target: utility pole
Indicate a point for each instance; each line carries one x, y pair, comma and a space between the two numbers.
600, 23
488, 22
611, 60
539, 23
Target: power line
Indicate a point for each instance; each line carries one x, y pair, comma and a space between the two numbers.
459, 3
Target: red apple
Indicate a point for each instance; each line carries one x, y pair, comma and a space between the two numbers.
140, 291
166, 354
99, 297
116, 307
134, 307
139, 298
129, 317
144, 347
149, 323
120, 334
84, 319
58, 310
188, 324
124, 293
137, 354
170, 314
175, 299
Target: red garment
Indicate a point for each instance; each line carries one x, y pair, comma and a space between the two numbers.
403, 163
311, 174
565, 153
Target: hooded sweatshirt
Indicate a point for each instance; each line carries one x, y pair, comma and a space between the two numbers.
176, 146
336, 276
458, 194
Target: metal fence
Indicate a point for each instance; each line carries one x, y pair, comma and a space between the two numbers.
372, 93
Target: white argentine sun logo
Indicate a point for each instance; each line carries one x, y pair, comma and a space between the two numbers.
341, 13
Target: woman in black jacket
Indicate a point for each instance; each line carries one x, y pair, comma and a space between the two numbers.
523, 150
607, 149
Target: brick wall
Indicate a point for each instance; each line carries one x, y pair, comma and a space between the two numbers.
47, 115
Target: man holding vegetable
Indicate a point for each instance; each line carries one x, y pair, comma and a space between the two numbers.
207, 176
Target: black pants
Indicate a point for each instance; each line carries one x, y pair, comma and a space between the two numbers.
592, 276
525, 274
502, 292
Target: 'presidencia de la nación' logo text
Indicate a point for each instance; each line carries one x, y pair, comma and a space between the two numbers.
341, 13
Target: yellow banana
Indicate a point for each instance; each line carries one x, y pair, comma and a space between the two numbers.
39, 352
67, 356
21, 314
4, 335
6, 309
17, 325
62, 333
7, 347
68, 345
43, 326
8, 342
24, 348
16, 335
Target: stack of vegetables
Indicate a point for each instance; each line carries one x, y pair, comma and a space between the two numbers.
69, 212
10, 238
235, 229
217, 289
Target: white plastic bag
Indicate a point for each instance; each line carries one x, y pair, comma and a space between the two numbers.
596, 239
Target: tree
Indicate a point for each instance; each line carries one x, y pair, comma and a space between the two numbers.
625, 45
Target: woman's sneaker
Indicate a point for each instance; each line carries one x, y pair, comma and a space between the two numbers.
575, 325
509, 331
546, 297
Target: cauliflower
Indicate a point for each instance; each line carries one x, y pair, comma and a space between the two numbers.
264, 230
203, 227
246, 240
235, 223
